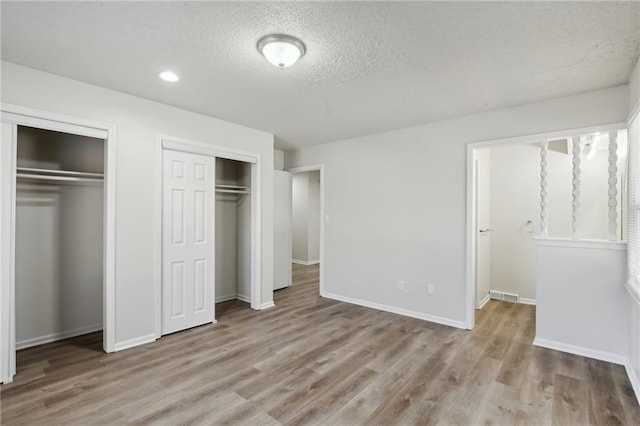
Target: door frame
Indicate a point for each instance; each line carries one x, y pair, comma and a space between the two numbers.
313, 168
472, 227
26, 116
216, 151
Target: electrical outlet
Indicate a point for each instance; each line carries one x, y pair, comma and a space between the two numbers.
400, 285
431, 289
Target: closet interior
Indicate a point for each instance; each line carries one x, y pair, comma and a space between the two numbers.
233, 230
58, 235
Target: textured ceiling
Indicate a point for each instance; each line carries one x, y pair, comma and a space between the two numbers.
369, 66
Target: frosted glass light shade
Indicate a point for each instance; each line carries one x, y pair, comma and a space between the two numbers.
281, 50
169, 76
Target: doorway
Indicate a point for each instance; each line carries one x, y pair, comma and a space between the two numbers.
52, 168
507, 216
308, 221
557, 185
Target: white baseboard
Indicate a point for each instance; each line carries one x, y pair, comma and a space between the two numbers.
633, 378
267, 305
526, 301
243, 298
394, 310
582, 351
483, 301
220, 299
305, 262
137, 341
41, 340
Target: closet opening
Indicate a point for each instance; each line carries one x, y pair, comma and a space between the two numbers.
209, 221
57, 235
59, 240
232, 235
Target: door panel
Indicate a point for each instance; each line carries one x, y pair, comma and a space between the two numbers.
187, 243
282, 192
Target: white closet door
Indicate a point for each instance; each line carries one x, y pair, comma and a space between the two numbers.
187, 240
282, 223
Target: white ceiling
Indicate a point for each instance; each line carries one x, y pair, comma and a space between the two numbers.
369, 66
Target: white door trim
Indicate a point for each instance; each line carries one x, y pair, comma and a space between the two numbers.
25, 116
184, 145
176, 144
320, 168
471, 197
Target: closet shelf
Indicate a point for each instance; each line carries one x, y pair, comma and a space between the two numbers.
233, 189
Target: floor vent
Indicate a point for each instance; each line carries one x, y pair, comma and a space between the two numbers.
507, 297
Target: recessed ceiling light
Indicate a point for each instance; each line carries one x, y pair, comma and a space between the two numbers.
169, 76
281, 50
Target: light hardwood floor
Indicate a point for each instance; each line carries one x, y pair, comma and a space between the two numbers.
311, 360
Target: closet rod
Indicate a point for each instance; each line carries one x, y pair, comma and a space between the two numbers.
58, 178
59, 172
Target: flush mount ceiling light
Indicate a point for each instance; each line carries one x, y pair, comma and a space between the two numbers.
281, 50
169, 76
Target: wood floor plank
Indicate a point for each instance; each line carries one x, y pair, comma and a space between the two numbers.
605, 407
515, 365
312, 360
502, 407
538, 390
473, 393
570, 401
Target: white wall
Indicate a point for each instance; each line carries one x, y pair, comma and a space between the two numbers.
278, 160
559, 188
594, 187
396, 201
306, 217
58, 261
313, 217
139, 122
515, 200
582, 303
634, 86
226, 246
300, 200
226, 232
